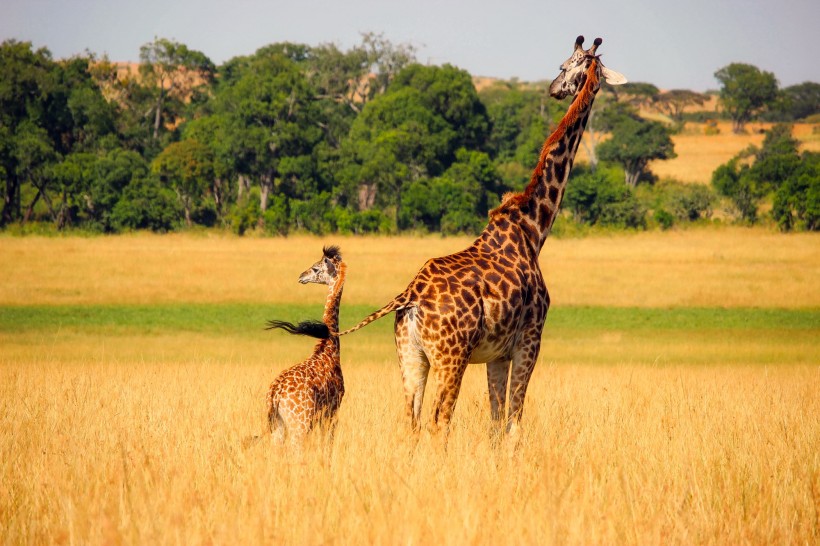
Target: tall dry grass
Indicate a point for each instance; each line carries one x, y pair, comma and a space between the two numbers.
149, 453
732, 267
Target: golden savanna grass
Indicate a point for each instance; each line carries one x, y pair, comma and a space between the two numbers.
650, 437
729, 267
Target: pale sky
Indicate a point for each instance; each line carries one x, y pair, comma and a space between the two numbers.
672, 44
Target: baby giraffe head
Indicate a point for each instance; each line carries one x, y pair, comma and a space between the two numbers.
325, 270
574, 70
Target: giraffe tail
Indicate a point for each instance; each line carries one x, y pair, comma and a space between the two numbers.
311, 328
399, 302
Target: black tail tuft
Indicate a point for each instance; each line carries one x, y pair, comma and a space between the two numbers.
312, 328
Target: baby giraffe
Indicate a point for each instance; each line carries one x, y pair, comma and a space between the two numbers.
311, 392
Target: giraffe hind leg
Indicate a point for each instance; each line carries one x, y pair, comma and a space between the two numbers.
449, 378
415, 367
278, 429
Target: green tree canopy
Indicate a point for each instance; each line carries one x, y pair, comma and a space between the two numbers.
172, 72
634, 143
187, 166
745, 92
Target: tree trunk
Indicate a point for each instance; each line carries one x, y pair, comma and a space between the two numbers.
158, 113
11, 201
266, 186
367, 195
632, 177
217, 191
30, 208
47, 201
243, 185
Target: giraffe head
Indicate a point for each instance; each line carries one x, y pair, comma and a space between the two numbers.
574, 71
325, 270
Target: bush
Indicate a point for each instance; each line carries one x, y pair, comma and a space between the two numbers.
247, 213
205, 213
314, 215
734, 181
146, 204
664, 219
277, 216
367, 221
691, 202
602, 197
796, 202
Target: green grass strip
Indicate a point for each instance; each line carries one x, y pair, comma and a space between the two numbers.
237, 318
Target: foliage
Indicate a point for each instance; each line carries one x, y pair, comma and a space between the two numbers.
601, 197
520, 118
457, 201
776, 168
673, 103
796, 102
187, 167
746, 91
796, 203
634, 143
319, 139
172, 73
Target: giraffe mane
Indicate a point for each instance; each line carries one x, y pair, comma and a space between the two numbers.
332, 252
581, 101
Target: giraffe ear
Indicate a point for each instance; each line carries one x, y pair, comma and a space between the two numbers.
612, 77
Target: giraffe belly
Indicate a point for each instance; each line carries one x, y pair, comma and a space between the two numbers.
490, 349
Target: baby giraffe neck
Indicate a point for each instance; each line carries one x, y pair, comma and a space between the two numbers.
334, 298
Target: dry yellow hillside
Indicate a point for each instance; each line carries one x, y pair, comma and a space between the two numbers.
700, 154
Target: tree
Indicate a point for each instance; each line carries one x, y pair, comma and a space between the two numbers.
270, 124
34, 155
213, 131
634, 93
753, 173
457, 201
797, 102
449, 92
778, 158
796, 203
188, 167
634, 143
673, 103
397, 139
384, 60
733, 180
26, 79
746, 91
520, 118
172, 72
599, 197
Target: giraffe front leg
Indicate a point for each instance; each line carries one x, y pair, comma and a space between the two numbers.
498, 372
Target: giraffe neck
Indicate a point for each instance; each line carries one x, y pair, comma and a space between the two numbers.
539, 202
334, 298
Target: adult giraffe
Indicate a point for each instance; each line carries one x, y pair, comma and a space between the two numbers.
488, 303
